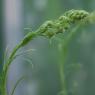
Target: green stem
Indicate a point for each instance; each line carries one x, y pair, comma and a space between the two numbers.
6, 67
62, 57
24, 42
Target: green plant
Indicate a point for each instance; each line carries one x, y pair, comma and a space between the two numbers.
49, 29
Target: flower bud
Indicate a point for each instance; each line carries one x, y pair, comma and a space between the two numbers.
28, 38
76, 15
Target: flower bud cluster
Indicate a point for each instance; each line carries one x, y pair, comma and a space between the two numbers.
50, 28
76, 15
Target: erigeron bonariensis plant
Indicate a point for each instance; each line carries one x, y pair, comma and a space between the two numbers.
48, 29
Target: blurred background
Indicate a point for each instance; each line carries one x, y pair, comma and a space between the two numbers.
40, 66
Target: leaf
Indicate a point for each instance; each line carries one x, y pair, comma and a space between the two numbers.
28, 60
71, 34
6, 55
23, 53
17, 83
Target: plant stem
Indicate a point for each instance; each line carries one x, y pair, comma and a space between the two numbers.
6, 67
24, 42
62, 57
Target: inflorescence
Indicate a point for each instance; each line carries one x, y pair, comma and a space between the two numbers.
48, 29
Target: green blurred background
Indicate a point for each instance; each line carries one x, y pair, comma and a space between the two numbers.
43, 74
